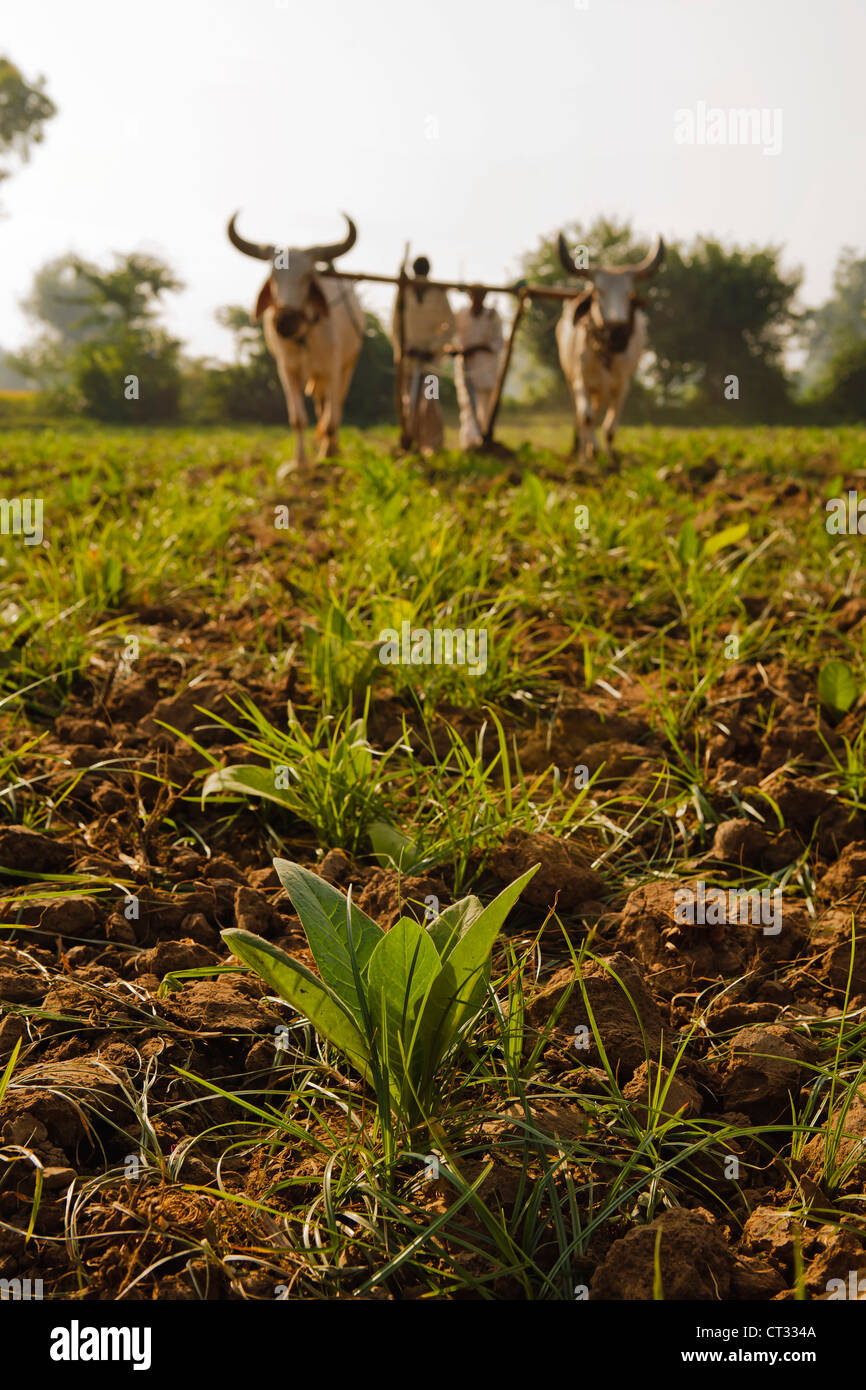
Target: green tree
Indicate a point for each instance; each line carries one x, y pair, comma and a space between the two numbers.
718, 313
130, 378
24, 109
99, 329
840, 392
59, 302
835, 330
126, 296
60, 298
370, 398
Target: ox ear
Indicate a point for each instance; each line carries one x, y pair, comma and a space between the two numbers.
264, 300
582, 306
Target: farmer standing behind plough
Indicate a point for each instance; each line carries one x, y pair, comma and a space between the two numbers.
428, 324
478, 350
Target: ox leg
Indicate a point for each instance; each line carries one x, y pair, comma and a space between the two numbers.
577, 442
611, 420
345, 383
587, 446
321, 404
326, 410
297, 414
339, 391
333, 415
327, 435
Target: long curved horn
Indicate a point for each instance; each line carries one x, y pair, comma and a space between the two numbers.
653, 262
249, 248
567, 260
337, 248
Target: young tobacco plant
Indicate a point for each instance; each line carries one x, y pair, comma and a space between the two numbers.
396, 1003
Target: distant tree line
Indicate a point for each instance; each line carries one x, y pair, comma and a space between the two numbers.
717, 315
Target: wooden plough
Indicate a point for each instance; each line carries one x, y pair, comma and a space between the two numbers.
522, 291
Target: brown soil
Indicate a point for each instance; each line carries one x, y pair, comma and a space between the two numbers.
92, 969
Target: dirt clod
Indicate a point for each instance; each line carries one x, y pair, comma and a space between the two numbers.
620, 1026
764, 1069
565, 877
694, 1259
653, 1092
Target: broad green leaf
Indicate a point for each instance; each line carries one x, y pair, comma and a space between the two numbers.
322, 910
390, 847
729, 536
300, 988
458, 990
245, 781
837, 686
452, 923
401, 972
399, 923
688, 546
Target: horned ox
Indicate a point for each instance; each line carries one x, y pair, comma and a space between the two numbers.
313, 327
601, 335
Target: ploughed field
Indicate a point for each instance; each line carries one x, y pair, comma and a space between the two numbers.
661, 704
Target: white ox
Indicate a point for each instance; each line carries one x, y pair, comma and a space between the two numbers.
601, 335
313, 327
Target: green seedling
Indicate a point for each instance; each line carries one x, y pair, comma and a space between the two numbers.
837, 686
397, 1003
690, 546
330, 778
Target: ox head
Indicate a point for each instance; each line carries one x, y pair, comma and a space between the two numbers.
613, 290
292, 279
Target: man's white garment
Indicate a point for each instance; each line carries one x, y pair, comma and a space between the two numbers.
428, 324
475, 374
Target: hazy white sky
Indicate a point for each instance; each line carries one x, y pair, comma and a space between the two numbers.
469, 127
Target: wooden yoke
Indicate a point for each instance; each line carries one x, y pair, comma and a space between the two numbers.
533, 291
